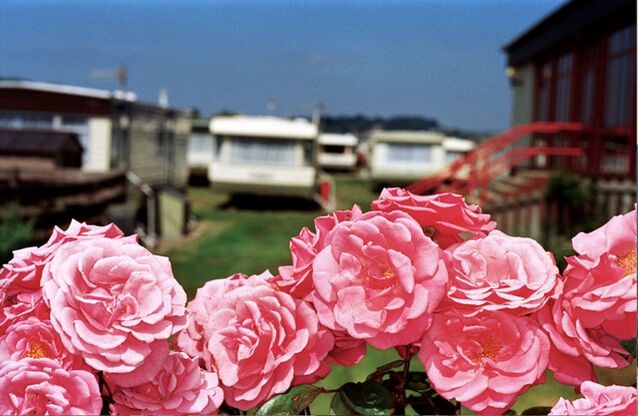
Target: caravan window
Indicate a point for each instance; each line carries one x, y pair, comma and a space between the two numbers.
262, 151
409, 152
338, 149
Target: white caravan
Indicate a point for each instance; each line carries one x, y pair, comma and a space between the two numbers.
337, 151
270, 156
399, 158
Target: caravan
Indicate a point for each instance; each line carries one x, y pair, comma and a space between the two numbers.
399, 157
269, 156
337, 151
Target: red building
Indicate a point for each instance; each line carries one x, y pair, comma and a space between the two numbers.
579, 65
573, 78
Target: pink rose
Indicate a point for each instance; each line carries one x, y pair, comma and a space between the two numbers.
20, 279
347, 351
262, 341
111, 299
379, 278
40, 386
446, 217
600, 282
79, 230
180, 387
158, 350
599, 400
598, 305
20, 290
191, 339
35, 338
296, 279
502, 272
19, 304
484, 361
616, 240
577, 347
574, 348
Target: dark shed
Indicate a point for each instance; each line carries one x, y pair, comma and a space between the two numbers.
61, 148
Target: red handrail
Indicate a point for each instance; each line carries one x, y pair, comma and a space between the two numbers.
485, 162
504, 163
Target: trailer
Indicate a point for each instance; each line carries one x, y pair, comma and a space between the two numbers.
337, 151
398, 157
268, 156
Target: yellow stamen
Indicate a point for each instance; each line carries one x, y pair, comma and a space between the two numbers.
388, 273
490, 350
38, 350
627, 262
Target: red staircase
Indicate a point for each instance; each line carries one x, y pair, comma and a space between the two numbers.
472, 172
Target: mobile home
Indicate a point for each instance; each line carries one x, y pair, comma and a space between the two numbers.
270, 156
398, 158
455, 147
337, 151
200, 150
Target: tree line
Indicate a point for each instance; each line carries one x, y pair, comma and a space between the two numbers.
360, 124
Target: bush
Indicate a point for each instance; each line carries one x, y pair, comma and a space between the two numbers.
14, 232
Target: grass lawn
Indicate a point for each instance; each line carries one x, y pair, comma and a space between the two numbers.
251, 240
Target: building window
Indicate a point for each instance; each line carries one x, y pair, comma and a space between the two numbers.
589, 69
621, 63
26, 121
615, 155
544, 88
563, 87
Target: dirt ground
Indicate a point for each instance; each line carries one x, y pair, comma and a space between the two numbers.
195, 229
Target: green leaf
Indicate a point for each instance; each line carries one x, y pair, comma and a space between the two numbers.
367, 398
433, 405
429, 402
630, 346
293, 402
389, 366
418, 381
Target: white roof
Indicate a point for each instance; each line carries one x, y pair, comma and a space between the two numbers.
263, 126
407, 136
457, 144
67, 89
338, 139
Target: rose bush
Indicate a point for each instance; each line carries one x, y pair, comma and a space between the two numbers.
88, 311
260, 340
93, 322
598, 305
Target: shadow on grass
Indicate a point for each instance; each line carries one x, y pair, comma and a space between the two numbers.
269, 203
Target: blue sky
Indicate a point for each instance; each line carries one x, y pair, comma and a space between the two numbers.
440, 59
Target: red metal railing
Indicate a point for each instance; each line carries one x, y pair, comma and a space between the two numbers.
475, 169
